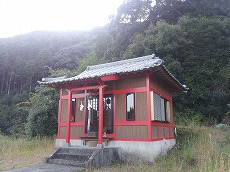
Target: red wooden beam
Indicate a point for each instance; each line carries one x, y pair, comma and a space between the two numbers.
87, 88
100, 128
110, 78
68, 127
148, 106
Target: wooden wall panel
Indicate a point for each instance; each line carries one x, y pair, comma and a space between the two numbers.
132, 131
141, 106
80, 114
62, 131
171, 132
153, 83
109, 86
166, 132
162, 87
76, 131
154, 132
161, 132
120, 107
64, 110
131, 83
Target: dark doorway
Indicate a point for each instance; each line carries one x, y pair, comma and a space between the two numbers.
92, 114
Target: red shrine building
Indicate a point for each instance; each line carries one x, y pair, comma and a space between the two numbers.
126, 104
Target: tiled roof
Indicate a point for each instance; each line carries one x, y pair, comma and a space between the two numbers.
119, 67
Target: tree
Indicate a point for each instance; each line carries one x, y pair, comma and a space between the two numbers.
172, 10
43, 110
133, 11
195, 50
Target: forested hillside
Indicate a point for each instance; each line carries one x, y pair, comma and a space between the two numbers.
192, 37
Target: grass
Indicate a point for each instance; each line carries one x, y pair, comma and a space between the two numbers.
20, 152
199, 149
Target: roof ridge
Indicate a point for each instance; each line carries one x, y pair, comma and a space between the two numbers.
148, 57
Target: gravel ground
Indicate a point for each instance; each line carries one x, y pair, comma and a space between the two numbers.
45, 167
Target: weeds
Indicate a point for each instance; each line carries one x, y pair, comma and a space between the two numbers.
18, 152
199, 149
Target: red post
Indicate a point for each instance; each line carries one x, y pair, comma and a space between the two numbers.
148, 106
68, 127
100, 127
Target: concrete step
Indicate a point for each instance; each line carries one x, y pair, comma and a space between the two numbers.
67, 162
71, 156
76, 150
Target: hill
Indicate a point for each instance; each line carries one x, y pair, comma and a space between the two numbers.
192, 38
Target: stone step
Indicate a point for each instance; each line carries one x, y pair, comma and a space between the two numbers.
67, 162
71, 156
75, 150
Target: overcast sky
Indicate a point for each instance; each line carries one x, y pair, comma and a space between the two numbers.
23, 16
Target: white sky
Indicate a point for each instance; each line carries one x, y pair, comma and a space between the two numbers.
23, 16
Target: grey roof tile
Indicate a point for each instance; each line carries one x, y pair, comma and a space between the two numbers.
118, 67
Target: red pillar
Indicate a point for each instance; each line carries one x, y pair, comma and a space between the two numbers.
68, 127
148, 106
100, 127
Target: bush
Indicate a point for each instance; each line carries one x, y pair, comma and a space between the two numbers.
42, 119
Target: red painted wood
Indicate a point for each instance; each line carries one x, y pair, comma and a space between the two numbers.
147, 122
110, 78
100, 127
114, 113
68, 127
59, 114
148, 106
88, 88
85, 111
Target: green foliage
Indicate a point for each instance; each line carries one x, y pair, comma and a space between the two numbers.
195, 50
133, 11
12, 117
89, 60
42, 119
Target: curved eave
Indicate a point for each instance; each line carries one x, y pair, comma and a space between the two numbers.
175, 82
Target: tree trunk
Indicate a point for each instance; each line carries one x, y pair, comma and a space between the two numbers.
3, 79
9, 85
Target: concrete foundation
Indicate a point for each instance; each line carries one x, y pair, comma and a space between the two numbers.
131, 150
145, 151
60, 143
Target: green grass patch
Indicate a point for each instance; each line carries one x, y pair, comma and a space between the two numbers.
199, 149
19, 152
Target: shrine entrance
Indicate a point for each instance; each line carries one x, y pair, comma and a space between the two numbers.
92, 115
